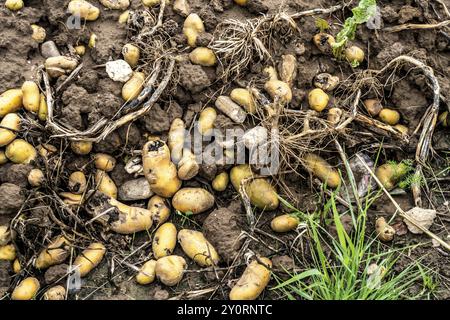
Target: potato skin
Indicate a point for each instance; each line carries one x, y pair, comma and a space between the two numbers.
16, 266
188, 167
83, 9
159, 209
26, 289
90, 258
5, 235
105, 184
164, 240
384, 231
12, 121
36, 177
77, 182
10, 101
3, 158
55, 293
323, 170
354, 54
8, 252
43, 108
389, 116
131, 219
81, 147
318, 99
220, 182
262, 194
105, 162
239, 173
175, 140
373, 106
390, 173
203, 56
55, 253
195, 200
131, 54
20, 151
279, 89
244, 98
147, 273
133, 87
284, 223
31, 96
253, 281
198, 248
192, 27
169, 270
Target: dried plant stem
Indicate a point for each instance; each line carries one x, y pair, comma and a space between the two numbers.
414, 26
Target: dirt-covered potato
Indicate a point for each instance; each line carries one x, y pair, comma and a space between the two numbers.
60, 65
244, 98
26, 289
318, 99
80, 50
8, 252
10, 101
194, 200
38, 34
324, 42
203, 56
131, 54
188, 167
90, 258
83, 9
220, 182
284, 223
147, 273
151, 3
391, 173
20, 151
334, 116
253, 281
116, 4
81, 147
231, 109
10, 121
72, 198
104, 162
17, 267
373, 106
322, 170
159, 209
288, 69
192, 27
384, 231
198, 248
14, 5
133, 87
36, 178
403, 129
105, 184
43, 108
326, 81
389, 116
206, 120
354, 55
123, 18
169, 270
175, 140
5, 235
164, 240
92, 41
277, 89
55, 293
55, 253
77, 182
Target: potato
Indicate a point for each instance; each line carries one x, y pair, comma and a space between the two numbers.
220, 182
169, 270
284, 223
77, 182
175, 140
20, 151
241, 2
318, 99
11, 121
147, 273
81, 147
151, 3
159, 209
14, 5
36, 178
203, 56
326, 81
116, 4
83, 9
279, 90
39, 33
354, 55
133, 87
322, 170
43, 108
206, 121
3, 158
231, 109
105, 184
188, 166
196, 247
55, 253
131, 54
253, 281
16, 266
10, 101
60, 65
194, 200
80, 50
5, 235
373, 106
55, 293
390, 174
384, 231
164, 240
105, 162
288, 69
334, 116
324, 42
192, 27
238, 174
45, 150
90, 258
244, 98
26, 289
72, 198
159, 170
403, 129
92, 41
8, 252
31, 96
123, 18
389, 116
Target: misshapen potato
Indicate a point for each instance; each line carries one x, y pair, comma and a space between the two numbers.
164, 240
39, 33
20, 151
147, 273
244, 98
130, 219
55, 253
206, 120
203, 56
192, 27
133, 87
169, 270
26, 289
105, 162
60, 65
10, 101
131, 54
284, 223
116, 4
198, 248
231, 109
81, 147
326, 81
77, 182
373, 106
159, 209
175, 140
253, 281
105, 184
90, 258
8, 252
322, 170
55, 293
277, 89
324, 42
36, 178
220, 182
288, 69
195, 200
10, 121
384, 231
334, 116
83, 9
318, 99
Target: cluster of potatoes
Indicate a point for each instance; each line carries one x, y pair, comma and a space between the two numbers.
324, 42
389, 116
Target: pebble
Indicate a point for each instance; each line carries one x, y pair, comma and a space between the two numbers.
119, 70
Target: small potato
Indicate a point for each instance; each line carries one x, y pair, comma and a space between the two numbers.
43, 108
39, 33
279, 90
203, 56
194, 200
123, 18
354, 55
196, 247
131, 54
192, 27
322, 170
60, 65
16, 266
444, 119
164, 240
105, 162
403, 129
389, 116
5, 235
45, 150
244, 98
81, 147
159, 209
116, 4
77, 182
90, 258
31, 96
26, 289
288, 69
175, 140
326, 81
55, 253
373, 106
14, 5
36, 178
83, 9
324, 42
188, 167
384, 231
334, 116
8, 252
262, 194
318, 99
55, 293
390, 174
147, 273
10, 101
10, 121
105, 184
133, 87
92, 41
220, 182
169, 270
253, 281
241, 2
151, 3
80, 50
231, 109
206, 120
20, 151
284, 223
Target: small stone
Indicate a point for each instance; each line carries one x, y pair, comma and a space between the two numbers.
119, 70
423, 217
181, 7
49, 49
138, 189
255, 137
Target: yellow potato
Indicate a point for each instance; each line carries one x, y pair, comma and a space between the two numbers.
77, 182
188, 166
92, 41
105, 184
241, 2
279, 90
238, 174
318, 99
131, 54
39, 33
43, 108
151, 3
324, 42
55, 253
284, 223
253, 281
116, 4
192, 27
8, 252
244, 98
72, 198
206, 120
169, 270
36, 178
262, 194
83, 9
130, 219
5, 235
133, 87
31, 96
26, 289
159, 209
10, 101
55, 293
384, 231
354, 55
81, 147
373, 106
390, 174
80, 50
203, 56
220, 182
123, 18
60, 65
322, 170
147, 273
20, 151
3, 158
90, 258
11, 121
16, 266
389, 116
403, 129
194, 200
198, 248
164, 240
14, 5
175, 140
105, 162
334, 116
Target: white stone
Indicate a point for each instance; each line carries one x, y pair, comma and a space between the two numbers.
119, 70
423, 217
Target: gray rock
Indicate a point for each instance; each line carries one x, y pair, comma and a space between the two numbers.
49, 49
137, 189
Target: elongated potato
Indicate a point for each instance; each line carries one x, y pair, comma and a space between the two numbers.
5, 235
170, 270
55, 293
192, 27
83, 9
159, 170
403, 129
284, 223
26, 289
81, 147
133, 87
8, 252
104, 162
175, 140
253, 281
55, 253
164, 240
11, 121
123, 18
90, 258
206, 120
20, 151
159, 209
238, 174
231, 109
36, 178
188, 167
16, 266
203, 56
10, 101
198, 248
130, 219
116, 4
244, 98
105, 184
131, 54
220, 182
77, 182
389, 116
323, 170
43, 108
194, 200
147, 273
390, 174
92, 41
